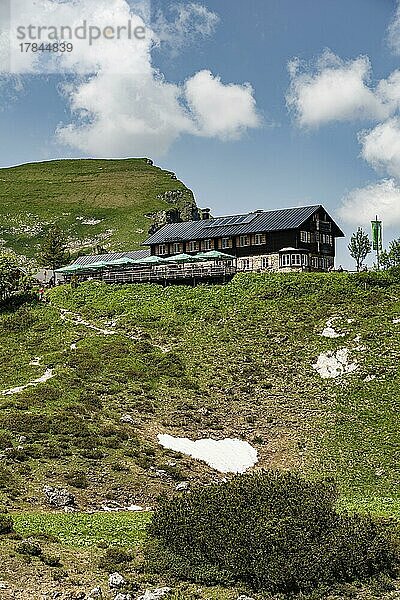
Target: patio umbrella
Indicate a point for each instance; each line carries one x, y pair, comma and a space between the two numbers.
149, 260
125, 260
69, 269
214, 255
182, 258
96, 265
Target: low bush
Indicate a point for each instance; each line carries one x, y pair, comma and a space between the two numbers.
51, 560
20, 320
8, 482
270, 530
113, 558
6, 524
29, 548
6, 439
77, 479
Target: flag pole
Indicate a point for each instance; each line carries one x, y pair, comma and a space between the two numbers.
377, 244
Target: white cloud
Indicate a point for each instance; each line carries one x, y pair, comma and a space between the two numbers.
220, 110
394, 31
190, 21
117, 115
120, 104
362, 204
381, 147
332, 89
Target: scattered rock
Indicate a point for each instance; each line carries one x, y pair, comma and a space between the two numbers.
3, 586
21, 439
161, 473
369, 378
155, 594
70, 509
182, 486
58, 497
96, 594
115, 581
123, 597
127, 419
244, 598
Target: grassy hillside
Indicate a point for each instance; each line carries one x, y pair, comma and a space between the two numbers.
211, 361
93, 201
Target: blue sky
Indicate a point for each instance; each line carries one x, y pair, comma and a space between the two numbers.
263, 155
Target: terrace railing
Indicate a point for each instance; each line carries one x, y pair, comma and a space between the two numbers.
163, 273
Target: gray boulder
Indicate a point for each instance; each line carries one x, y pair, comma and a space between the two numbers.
182, 486
127, 419
96, 594
123, 597
58, 497
116, 581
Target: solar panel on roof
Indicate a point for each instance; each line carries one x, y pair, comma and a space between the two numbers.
236, 220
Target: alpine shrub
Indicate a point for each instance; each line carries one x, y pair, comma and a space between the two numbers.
271, 530
6, 524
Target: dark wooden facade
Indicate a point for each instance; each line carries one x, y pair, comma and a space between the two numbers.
310, 234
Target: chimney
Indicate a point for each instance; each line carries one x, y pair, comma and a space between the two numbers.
205, 214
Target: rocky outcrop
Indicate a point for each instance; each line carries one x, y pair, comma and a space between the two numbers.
96, 594
184, 209
59, 497
116, 581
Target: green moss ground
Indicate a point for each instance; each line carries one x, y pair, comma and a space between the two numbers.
210, 361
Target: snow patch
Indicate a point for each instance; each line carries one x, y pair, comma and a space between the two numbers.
334, 364
329, 331
226, 456
130, 508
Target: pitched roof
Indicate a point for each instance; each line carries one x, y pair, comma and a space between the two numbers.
88, 260
255, 222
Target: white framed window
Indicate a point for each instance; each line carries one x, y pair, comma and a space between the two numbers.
207, 244
259, 239
314, 262
326, 239
193, 246
162, 249
285, 260
245, 264
244, 240
226, 243
177, 248
305, 237
296, 259
265, 262
305, 260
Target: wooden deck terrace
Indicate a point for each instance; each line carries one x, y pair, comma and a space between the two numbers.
164, 275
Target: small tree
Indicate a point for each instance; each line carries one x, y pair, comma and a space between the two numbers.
359, 247
391, 258
53, 249
11, 277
